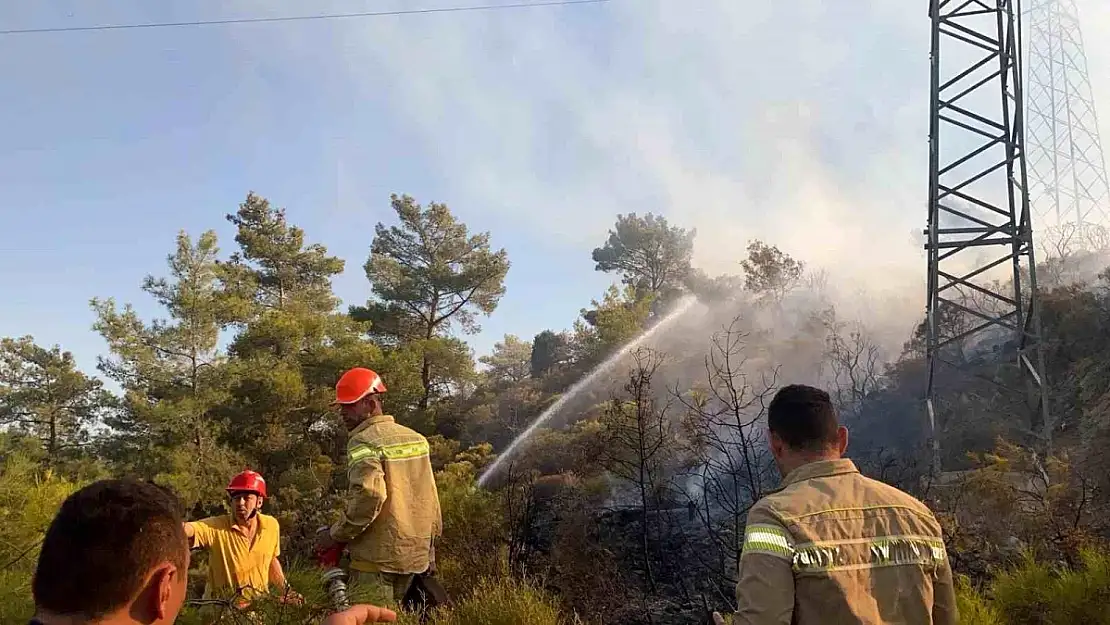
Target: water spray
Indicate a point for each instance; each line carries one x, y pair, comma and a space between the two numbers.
683, 305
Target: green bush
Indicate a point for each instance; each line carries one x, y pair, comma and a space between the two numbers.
1036, 592
16, 605
973, 608
268, 609
29, 498
503, 601
474, 543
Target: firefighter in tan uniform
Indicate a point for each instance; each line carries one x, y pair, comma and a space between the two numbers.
832, 546
392, 515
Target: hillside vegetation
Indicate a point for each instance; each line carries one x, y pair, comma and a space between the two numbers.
629, 507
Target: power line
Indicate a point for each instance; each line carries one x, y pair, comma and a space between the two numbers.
300, 18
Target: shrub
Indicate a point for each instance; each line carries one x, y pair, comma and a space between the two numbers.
1036, 592
16, 605
268, 609
473, 544
503, 601
29, 498
973, 608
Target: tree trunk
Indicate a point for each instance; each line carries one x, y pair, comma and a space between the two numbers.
426, 380
426, 368
644, 538
52, 445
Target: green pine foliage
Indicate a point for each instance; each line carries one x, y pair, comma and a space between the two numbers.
233, 360
30, 495
44, 395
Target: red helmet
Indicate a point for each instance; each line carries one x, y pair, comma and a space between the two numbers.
247, 481
356, 384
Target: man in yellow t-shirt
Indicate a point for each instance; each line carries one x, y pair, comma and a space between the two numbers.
243, 546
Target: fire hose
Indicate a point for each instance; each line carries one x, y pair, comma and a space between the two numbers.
332, 577
425, 592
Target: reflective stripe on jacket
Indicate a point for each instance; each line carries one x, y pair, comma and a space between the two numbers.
833, 546
392, 513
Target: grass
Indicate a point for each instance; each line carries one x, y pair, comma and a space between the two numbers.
1033, 593
500, 601
973, 608
16, 605
1039, 593
504, 601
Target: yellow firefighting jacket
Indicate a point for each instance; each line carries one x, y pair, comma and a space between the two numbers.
392, 514
835, 547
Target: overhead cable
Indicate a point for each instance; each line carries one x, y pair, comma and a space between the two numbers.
300, 18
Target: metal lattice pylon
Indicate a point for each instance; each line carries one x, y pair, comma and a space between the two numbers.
982, 311
1069, 190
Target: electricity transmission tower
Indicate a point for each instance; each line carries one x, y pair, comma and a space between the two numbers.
1069, 190
983, 316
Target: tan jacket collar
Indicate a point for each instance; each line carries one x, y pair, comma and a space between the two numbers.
382, 418
821, 468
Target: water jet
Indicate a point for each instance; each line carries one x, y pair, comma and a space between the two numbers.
683, 306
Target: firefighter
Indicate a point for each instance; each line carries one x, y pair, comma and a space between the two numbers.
832, 546
392, 514
244, 545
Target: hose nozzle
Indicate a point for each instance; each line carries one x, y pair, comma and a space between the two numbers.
335, 584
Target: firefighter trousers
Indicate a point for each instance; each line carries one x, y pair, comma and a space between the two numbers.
380, 589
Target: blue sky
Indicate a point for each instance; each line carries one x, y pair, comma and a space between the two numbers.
790, 121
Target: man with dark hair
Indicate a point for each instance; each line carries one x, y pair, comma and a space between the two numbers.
116, 554
833, 546
803, 418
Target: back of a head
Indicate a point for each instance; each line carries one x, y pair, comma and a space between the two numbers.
804, 418
104, 541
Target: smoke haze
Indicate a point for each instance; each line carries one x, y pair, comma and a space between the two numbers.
800, 123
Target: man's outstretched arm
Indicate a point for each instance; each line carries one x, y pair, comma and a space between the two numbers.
200, 533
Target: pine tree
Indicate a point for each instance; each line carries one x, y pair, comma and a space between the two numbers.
173, 374
428, 275
291, 347
45, 395
649, 253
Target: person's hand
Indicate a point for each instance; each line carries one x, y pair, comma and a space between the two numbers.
292, 597
718, 619
359, 614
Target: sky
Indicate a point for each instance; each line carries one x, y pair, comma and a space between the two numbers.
803, 123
